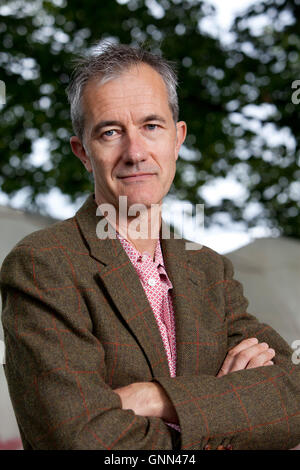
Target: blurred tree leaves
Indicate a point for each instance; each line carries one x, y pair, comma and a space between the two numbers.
267, 38
234, 96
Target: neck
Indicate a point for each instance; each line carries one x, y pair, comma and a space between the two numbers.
148, 245
141, 230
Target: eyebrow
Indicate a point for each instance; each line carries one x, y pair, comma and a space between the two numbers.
102, 124
150, 117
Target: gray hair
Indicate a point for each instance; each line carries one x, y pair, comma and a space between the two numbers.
109, 62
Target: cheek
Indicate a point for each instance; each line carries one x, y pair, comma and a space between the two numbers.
167, 152
172, 171
169, 169
102, 162
99, 168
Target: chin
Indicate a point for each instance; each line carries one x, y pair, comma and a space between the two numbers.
143, 198
145, 202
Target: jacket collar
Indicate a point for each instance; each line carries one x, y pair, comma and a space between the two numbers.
119, 278
105, 250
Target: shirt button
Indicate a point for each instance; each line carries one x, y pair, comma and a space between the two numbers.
151, 282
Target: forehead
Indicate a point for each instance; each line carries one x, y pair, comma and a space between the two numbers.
139, 88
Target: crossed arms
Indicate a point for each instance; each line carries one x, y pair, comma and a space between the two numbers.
150, 399
62, 390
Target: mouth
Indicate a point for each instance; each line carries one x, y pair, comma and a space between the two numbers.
136, 177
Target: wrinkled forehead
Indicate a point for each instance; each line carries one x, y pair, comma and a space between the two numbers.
135, 85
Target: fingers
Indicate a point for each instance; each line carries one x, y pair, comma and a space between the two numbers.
261, 359
247, 355
245, 344
230, 358
254, 356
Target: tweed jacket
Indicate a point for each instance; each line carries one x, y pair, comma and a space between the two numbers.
78, 324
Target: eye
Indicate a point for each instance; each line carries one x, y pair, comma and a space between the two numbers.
109, 133
151, 127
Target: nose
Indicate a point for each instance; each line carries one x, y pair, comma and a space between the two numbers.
134, 148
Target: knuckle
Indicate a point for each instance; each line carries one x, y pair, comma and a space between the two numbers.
267, 355
240, 363
244, 356
232, 352
252, 364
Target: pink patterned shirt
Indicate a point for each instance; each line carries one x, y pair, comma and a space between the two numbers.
157, 286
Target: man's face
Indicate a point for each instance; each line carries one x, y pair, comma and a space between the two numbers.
131, 142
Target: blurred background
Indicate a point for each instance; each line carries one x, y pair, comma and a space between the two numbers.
239, 92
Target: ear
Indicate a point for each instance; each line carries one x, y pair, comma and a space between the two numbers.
79, 150
181, 129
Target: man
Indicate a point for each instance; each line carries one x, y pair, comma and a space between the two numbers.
136, 343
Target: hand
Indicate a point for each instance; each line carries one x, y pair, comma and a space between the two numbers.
247, 355
147, 399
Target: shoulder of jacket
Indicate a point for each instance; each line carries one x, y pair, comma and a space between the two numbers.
59, 232
202, 252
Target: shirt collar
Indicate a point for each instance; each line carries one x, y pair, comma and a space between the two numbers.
134, 254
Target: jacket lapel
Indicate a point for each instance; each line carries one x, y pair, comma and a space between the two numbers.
119, 279
188, 290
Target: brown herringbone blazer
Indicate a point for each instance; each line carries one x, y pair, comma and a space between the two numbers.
77, 324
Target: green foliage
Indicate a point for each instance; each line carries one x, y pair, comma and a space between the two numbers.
270, 63
217, 85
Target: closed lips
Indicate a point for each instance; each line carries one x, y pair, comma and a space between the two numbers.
137, 174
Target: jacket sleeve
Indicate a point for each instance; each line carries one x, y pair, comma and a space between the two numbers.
55, 368
250, 409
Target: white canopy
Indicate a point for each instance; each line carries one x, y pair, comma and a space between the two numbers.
269, 269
